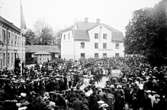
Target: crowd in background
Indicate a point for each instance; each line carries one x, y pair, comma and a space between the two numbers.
57, 85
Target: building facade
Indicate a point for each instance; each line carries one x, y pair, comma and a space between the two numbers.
91, 40
41, 53
12, 44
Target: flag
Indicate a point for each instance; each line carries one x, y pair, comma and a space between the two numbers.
22, 20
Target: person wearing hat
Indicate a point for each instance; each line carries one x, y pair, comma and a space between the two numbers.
102, 105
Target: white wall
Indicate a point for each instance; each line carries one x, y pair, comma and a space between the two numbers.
101, 30
67, 45
71, 49
78, 50
90, 50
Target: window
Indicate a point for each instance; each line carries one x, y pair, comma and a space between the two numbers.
104, 45
96, 35
116, 54
104, 54
15, 40
12, 59
82, 45
117, 45
4, 59
82, 55
3, 36
96, 55
96, 46
104, 36
15, 56
8, 59
8, 39
12, 39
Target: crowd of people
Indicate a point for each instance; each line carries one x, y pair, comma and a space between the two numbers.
57, 85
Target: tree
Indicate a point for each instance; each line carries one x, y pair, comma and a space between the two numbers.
58, 39
46, 36
30, 37
44, 33
146, 34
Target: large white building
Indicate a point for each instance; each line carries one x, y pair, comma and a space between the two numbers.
12, 44
91, 40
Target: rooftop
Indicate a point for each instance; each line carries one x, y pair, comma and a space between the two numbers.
42, 49
80, 30
9, 24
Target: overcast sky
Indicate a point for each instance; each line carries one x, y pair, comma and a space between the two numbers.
63, 13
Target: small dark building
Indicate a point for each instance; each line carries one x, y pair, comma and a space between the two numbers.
41, 53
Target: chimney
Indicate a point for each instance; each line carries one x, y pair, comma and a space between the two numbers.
98, 21
86, 20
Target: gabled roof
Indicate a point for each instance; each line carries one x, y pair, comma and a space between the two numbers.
41, 52
42, 49
85, 25
9, 24
81, 33
116, 35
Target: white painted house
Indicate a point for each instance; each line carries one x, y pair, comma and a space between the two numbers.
91, 40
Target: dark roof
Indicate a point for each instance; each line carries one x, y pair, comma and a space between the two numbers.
81, 33
85, 25
116, 35
42, 48
9, 24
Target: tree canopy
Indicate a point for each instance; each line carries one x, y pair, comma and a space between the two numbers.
30, 37
42, 34
146, 34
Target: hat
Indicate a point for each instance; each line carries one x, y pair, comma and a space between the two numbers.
157, 95
112, 86
103, 105
148, 91
23, 94
100, 102
119, 86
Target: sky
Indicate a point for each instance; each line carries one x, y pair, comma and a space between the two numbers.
60, 14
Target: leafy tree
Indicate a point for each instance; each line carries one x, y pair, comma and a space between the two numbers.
146, 34
44, 33
46, 36
30, 37
58, 39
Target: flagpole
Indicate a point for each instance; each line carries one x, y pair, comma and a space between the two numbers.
23, 27
21, 52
